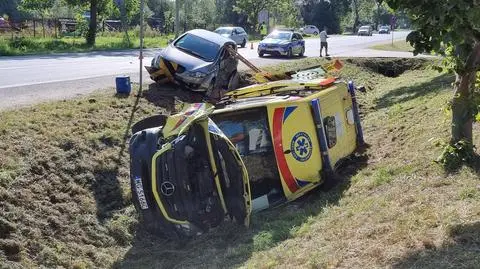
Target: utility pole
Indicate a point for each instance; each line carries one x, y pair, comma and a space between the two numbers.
177, 18
142, 7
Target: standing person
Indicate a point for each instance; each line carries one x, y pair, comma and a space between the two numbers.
263, 30
323, 41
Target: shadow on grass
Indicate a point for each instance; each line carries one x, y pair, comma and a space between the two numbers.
107, 192
405, 94
453, 166
230, 245
106, 188
462, 250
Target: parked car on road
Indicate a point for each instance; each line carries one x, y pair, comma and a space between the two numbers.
384, 29
286, 43
365, 30
236, 34
310, 30
4, 25
267, 145
197, 60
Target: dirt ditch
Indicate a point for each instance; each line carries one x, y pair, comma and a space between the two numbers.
389, 67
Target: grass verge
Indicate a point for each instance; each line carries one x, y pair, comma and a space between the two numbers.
65, 197
400, 45
27, 46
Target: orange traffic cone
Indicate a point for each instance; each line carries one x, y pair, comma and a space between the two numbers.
251, 45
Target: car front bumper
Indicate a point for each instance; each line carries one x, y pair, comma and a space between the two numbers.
161, 74
273, 50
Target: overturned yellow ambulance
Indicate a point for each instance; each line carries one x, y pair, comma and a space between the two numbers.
261, 146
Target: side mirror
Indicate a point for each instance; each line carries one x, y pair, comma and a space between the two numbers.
170, 41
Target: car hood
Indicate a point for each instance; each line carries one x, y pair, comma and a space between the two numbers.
275, 41
189, 62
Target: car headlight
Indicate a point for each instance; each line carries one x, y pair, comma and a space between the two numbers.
197, 74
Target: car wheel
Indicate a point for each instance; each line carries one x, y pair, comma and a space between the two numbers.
210, 88
260, 54
315, 33
244, 43
233, 82
290, 53
302, 52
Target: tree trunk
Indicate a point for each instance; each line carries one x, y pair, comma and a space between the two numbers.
462, 118
378, 15
92, 28
43, 26
355, 21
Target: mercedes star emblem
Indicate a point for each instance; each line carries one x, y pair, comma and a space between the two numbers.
167, 188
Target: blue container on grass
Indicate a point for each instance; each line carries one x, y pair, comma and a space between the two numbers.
123, 84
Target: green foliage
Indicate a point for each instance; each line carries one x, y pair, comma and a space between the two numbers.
455, 155
287, 12
251, 9
327, 13
81, 29
37, 6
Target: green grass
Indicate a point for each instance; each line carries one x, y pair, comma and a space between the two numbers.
396, 46
30, 45
66, 199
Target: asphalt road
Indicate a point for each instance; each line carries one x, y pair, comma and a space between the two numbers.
30, 79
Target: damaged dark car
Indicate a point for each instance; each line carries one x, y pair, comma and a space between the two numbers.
198, 60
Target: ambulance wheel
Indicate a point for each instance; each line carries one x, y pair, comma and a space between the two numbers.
150, 122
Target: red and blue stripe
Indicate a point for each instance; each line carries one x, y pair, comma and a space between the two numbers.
280, 115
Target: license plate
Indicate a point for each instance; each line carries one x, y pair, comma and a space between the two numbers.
140, 193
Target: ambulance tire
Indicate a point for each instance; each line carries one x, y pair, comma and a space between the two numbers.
150, 122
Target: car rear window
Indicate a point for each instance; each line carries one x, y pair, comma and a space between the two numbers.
198, 47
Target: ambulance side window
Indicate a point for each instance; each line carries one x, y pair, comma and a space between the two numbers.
330, 131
